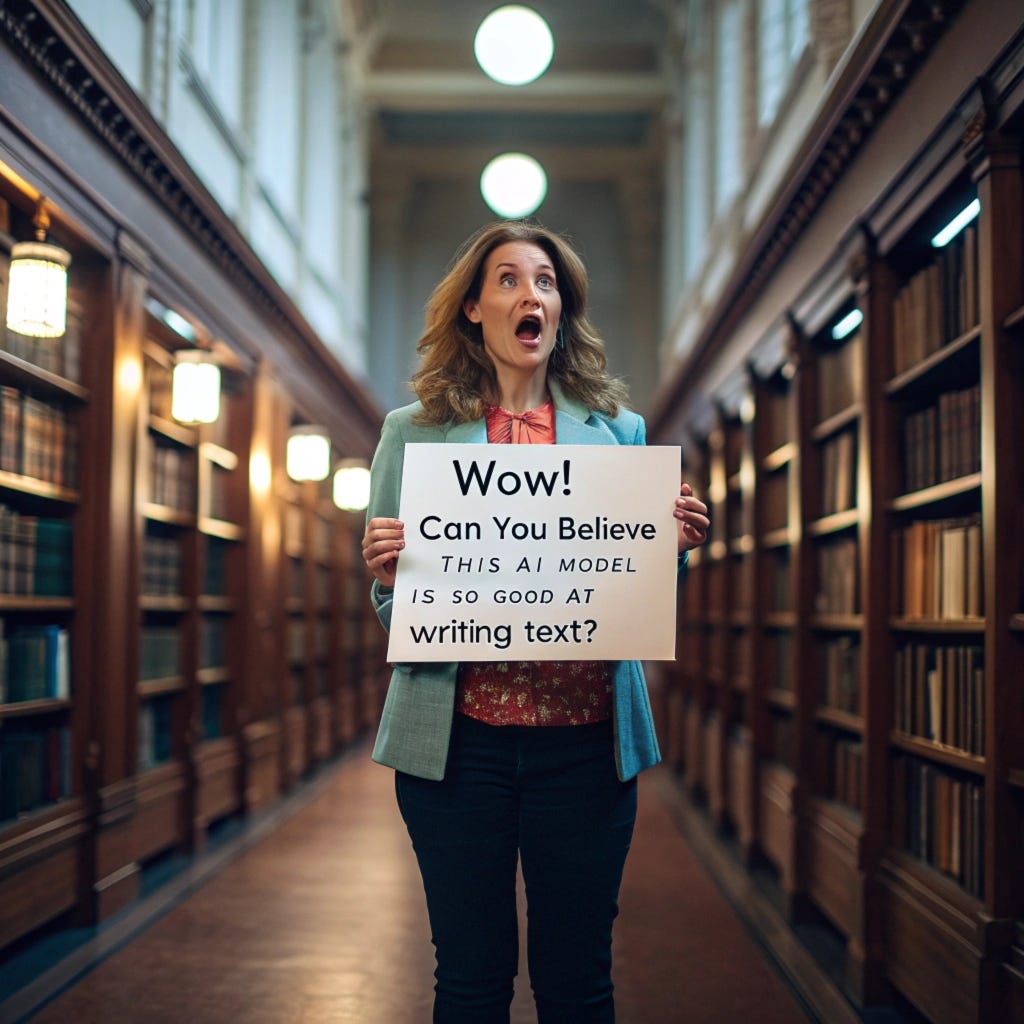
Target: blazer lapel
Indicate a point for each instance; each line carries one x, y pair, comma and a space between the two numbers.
474, 432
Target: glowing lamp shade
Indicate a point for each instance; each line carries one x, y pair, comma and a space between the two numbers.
309, 453
195, 387
513, 185
37, 289
352, 485
513, 45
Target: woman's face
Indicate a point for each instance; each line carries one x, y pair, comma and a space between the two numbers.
518, 309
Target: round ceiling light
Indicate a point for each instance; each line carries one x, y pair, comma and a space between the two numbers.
513, 185
514, 45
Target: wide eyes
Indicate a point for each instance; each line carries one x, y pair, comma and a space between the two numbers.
545, 282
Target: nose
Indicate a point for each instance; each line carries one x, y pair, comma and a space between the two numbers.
530, 298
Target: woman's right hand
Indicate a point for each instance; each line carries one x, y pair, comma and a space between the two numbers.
383, 539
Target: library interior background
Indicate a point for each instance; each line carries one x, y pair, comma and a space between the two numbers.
804, 226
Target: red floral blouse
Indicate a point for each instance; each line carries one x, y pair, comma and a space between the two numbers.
532, 692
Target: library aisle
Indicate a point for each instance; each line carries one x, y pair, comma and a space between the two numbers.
322, 920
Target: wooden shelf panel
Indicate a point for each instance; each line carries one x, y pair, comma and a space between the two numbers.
742, 545
836, 422
217, 604
221, 529
945, 491
219, 455
961, 626
23, 708
780, 457
171, 431
921, 373
31, 603
1015, 319
214, 676
34, 488
784, 699
779, 538
834, 522
841, 719
851, 623
780, 620
171, 603
43, 382
168, 515
158, 687
939, 752
1017, 622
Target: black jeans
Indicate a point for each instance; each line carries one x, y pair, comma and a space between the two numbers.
551, 796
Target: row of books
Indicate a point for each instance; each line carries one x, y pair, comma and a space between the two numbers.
939, 819
296, 640
35, 663
840, 376
840, 673
161, 564
37, 439
783, 730
943, 441
778, 580
219, 496
940, 694
216, 566
213, 641
160, 652
212, 712
172, 476
937, 569
845, 770
35, 554
839, 473
939, 303
35, 767
837, 577
782, 660
156, 731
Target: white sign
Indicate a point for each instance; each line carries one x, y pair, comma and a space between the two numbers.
536, 553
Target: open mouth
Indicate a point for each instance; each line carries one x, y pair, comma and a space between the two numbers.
528, 329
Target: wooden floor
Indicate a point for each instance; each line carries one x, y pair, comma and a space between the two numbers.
323, 921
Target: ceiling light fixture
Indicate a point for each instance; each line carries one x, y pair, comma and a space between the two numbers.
514, 45
513, 185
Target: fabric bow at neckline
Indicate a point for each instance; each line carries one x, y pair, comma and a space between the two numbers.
535, 426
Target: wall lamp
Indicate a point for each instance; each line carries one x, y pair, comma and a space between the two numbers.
37, 289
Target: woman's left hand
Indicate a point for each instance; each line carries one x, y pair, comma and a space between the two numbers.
692, 522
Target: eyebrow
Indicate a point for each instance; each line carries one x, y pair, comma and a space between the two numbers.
515, 266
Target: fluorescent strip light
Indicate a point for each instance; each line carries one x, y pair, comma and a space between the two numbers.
957, 224
848, 324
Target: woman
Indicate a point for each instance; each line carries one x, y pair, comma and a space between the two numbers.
532, 760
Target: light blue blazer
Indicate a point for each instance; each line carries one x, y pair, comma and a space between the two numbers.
416, 721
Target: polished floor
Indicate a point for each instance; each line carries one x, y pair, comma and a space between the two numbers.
323, 921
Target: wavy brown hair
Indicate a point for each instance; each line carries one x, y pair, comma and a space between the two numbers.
456, 379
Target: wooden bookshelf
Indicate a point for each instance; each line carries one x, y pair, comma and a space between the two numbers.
887, 722
194, 511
